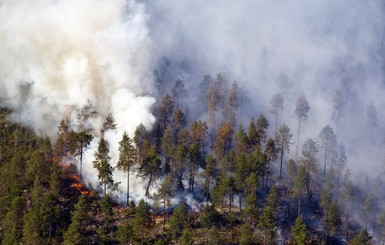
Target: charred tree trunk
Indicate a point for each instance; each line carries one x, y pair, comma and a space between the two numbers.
128, 187
280, 169
326, 151
299, 129
148, 186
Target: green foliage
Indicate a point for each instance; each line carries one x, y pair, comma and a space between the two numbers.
186, 238
102, 164
363, 238
300, 185
142, 221
214, 237
13, 221
246, 235
125, 233
149, 167
267, 223
251, 207
210, 216
75, 233
333, 221
127, 157
283, 139
178, 221
272, 199
299, 232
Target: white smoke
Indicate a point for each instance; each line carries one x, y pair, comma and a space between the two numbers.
58, 57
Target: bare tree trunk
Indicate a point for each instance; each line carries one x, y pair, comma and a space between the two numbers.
299, 129
326, 151
148, 186
128, 187
280, 170
81, 160
240, 202
299, 205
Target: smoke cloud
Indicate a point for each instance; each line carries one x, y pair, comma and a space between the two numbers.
59, 57
315, 46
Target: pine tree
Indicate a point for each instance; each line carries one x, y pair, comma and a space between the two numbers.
232, 103
13, 221
300, 185
210, 216
187, 238
301, 113
283, 140
179, 221
299, 232
333, 221
309, 159
214, 237
178, 91
109, 123
142, 220
208, 175
261, 126
164, 195
125, 233
102, 164
246, 235
291, 173
271, 153
127, 157
276, 104
363, 238
328, 141
149, 167
75, 233
81, 141
223, 140
267, 223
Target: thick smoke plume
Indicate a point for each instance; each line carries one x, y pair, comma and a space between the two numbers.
61, 56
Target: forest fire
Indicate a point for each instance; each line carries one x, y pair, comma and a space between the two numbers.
80, 186
69, 172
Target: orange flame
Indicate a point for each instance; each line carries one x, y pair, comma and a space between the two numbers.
80, 187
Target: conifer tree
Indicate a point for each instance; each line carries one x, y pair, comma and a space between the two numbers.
187, 238
362, 238
164, 195
246, 236
142, 221
109, 123
149, 168
102, 164
283, 139
179, 221
267, 223
127, 157
328, 141
75, 234
301, 113
300, 185
309, 159
276, 104
299, 232
214, 237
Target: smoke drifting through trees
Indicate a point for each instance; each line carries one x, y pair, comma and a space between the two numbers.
329, 52
68, 57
